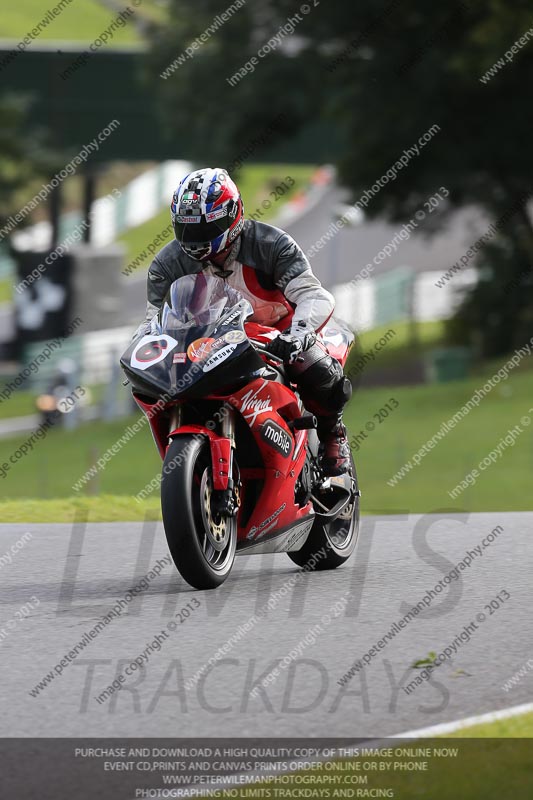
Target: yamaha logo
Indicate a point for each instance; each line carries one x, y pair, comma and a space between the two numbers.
277, 438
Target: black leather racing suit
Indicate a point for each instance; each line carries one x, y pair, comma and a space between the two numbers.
268, 268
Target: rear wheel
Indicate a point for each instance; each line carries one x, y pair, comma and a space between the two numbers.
202, 543
338, 537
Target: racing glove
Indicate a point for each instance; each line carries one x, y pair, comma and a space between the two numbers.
288, 346
142, 330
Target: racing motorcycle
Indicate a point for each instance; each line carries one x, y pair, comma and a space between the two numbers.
241, 472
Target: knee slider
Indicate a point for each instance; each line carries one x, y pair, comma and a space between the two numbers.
325, 374
329, 391
344, 387
340, 393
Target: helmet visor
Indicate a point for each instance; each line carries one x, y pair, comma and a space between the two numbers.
193, 232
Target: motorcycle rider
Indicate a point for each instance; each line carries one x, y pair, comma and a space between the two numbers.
268, 268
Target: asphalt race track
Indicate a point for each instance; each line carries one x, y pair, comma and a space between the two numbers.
67, 578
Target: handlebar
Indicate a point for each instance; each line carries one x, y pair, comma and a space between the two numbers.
261, 349
273, 358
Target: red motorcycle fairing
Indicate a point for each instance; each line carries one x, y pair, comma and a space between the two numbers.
260, 403
157, 421
260, 333
336, 337
264, 405
220, 452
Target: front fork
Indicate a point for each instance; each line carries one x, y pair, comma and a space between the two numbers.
176, 418
226, 502
228, 432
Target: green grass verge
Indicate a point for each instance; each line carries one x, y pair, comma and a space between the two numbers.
489, 769
20, 404
255, 183
137, 240
62, 457
393, 346
82, 20
519, 727
151, 10
397, 345
382, 451
6, 291
258, 180
104, 508
492, 762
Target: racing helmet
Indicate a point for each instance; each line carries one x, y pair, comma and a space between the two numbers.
207, 213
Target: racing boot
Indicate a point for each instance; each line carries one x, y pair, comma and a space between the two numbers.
335, 449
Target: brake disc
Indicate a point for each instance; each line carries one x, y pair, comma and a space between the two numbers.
216, 527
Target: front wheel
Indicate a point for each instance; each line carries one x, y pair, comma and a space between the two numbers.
330, 544
202, 543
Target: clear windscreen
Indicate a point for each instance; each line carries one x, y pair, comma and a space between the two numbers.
197, 300
199, 328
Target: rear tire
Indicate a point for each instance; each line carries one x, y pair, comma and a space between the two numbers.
202, 544
338, 537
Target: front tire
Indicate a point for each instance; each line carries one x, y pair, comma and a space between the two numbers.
338, 537
202, 544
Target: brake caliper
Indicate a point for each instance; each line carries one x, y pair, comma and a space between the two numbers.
226, 502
